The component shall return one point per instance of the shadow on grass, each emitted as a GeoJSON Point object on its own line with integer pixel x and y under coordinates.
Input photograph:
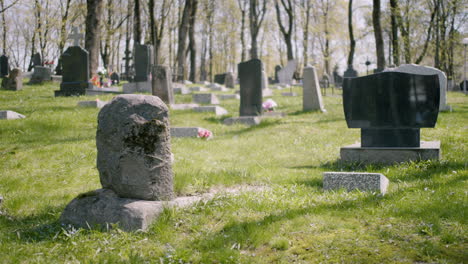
{"type": "Point", "coordinates": [216, 120]}
{"type": "Point", "coordinates": [296, 113]}
{"type": "Point", "coordinates": [267, 122]}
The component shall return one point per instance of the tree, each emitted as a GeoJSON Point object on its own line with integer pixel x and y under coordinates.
{"type": "Point", "coordinates": [157, 25]}
{"type": "Point", "coordinates": [306, 6]}
{"type": "Point", "coordinates": [257, 13]}
{"type": "Point", "coordinates": [136, 23]}
{"type": "Point", "coordinates": [192, 47]}
{"type": "Point", "coordinates": [378, 35]}
{"type": "Point", "coordinates": [243, 5]}
{"type": "Point", "coordinates": [183, 32]}
{"type": "Point", "coordinates": [92, 36]}
{"type": "Point", "coordinates": [394, 27]}
{"type": "Point", "coordinates": [287, 34]}
{"type": "Point", "coordinates": [352, 41]}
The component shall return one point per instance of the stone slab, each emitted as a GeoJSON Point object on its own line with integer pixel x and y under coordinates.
{"type": "Point", "coordinates": [137, 87]}
{"type": "Point", "coordinates": [246, 120]}
{"type": "Point", "coordinates": [10, 115]}
{"type": "Point", "coordinates": [178, 132]}
{"type": "Point", "coordinates": [205, 98]}
{"type": "Point", "coordinates": [183, 106]}
{"type": "Point", "coordinates": [198, 89]}
{"type": "Point", "coordinates": [100, 91]}
{"type": "Point", "coordinates": [267, 92]}
{"type": "Point", "coordinates": [228, 96]}
{"type": "Point", "coordinates": [355, 181]}
{"type": "Point", "coordinates": [429, 150]}
{"type": "Point", "coordinates": [57, 78]}
{"type": "Point", "coordinates": [289, 94]}
{"type": "Point", "coordinates": [181, 90]}
{"type": "Point", "coordinates": [273, 114]}
{"type": "Point", "coordinates": [219, 111]}
{"type": "Point", "coordinates": [95, 103]}
{"type": "Point", "coordinates": [103, 207]}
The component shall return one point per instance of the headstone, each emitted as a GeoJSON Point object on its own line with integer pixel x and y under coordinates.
{"type": "Point", "coordinates": [75, 78]}
{"type": "Point", "coordinates": [426, 70]}
{"type": "Point", "coordinates": [181, 132]}
{"type": "Point", "coordinates": [143, 62]}
{"type": "Point", "coordinates": [349, 73]}
{"type": "Point", "coordinates": [133, 148]}
{"type": "Point", "coordinates": [464, 85]}
{"type": "Point", "coordinates": [4, 66]}
{"type": "Point", "coordinates": [205, 98]}
{"type": "Point", "coordinates": [93, 104]}
{"type": "Point", "coordinates": [390, 108]}
{"type": "Point", "coordinates": [137, 87]}
{"type": "Point", "coordinates": [183, 106]}
{"type": "Point", "coordinates": [162, 83]}
{"type": "Point", "coordinates": [245, 120]}
{"type": "Point", "coordinates": [58, 69]}
{"type": "Point", "coordinates": [14, 81]}
{"type": "Point", "coordinates": [219, 111]}
{"type": "Point", "coordinates": [338, 79]}
{"type": "Point", "coordinates": [250, 81]}
{"type": "Point", "coordinates": [115, 78]}
{"type": "Point", "coordinates": [40, 75]}
{"type": "Point", "coordinates": [230, 80]}
{"type": "Point", "coordinates": [220, 78]}
{"type": "Point", "coordinates": [127, 60]}
{"type": "Point", "coordinates": [10, 115]}
{"type": "Point", "coordinates": [312, 97]}
{"type": "Point", "coordinates": [286, 74]}
{"type": "Point", "coordinates": [363, 181]}
{"type": "Point", "coordinates": [198, 89]}
{"type": "Point", "coordinates": [37, 60]}
{"type": "Point", "coordinates": [228, 96]}
{"type": "Point", "coordinates": [325, 82]}
{"type": "Point", "coordinates": [76, 36]}
{"type": "Point", "coordinates": [277, 69]}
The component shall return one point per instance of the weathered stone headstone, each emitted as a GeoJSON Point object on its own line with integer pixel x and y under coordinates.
{"type": "Point", "coordinates": [162, 83]}
{"type": "Point", "coordinates": [277, 69]}
{"type": "Point", "coordinates": [205, 98]}
{"type": "Point", "coordinates": [426, 70]}
{"type": "Point", "coordinates": [230, 80]}
{"type": "Point", "coordinates": [250, 81]}
{"type": "Point", "coordinates": [93, 104]}
{"type": "Point", "coordinates": [37, 60]}
{"type": "Point", "coordinates": [133, 144]}
{"type": "Point", "coordinates": [362, 181]}
{"type": "Point", "coordinates": [228, 96]}
{"type": "Point", "coordinates": [390, 108]}
{"type": "Point", "coordinates": [40, 75]}
{"type": "Point", "coordinates": [219, 111]}
{"type": "Point", "coordinates": [75, 78]}
{"type": "Point", "coordinates": [10, 115]}
{"type": "Point", "coordinates": [143, 62]}
{"type": "Point", "coordinates": [4, 66]}
{"type": "Point", "coordinates": [286, 74]}
{"type": "Point", "coordinates": [14, 81]}
{"type": "Point", "coordinates": [312, 97]}
{"type": "Point", "coordinates": [220, 78]}
{"type": "Point", "coordinates": [181, 132]}
{"type": "Point", "coordinates": [115, 78]}
{"type": "Point", "coordinates": [337, 78]}
{"type": "Point", "coordinates": [349, 73]}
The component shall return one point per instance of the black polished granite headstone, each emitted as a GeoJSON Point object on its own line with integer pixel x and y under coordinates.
{"type": "Point", "coordinates": [143, 62]}
{"type": "Point", "coordinates": [250, 81]}
{"type": "Point", "coordinates": [75, 72]}
{"type": "Point", "coordinates": [220, 78]}
{"type": "Point", "coordinates": [391, 107]}
{"type": "Point", "coordinates": [277, 69]}
{"type": "Point", "coordinates": [4, 66]}
{"type": "Point", "coordinates": [37, 60]}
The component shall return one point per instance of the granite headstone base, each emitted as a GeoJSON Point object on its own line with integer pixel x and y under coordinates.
{"type": "Point", "coordinates": [103, 208]}
{"type": "Point", "coordinates": [137, 87]}
{"type": "Point", "coordinates": [428, 150]}
{"type": "Point", "coordinates": [355, 181]}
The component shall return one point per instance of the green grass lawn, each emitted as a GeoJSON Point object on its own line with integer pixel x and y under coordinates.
{"type": "Point", "coordinates": [49, 158]}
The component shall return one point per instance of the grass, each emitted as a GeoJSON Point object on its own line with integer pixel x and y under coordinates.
{"type": "Point", "coordinates": [49, 158]}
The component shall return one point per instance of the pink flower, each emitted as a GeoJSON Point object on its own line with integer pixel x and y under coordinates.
{"type": "Point", "coordinates": [269, 105]}
{"type": "Point", "coordinates": [205, 134]}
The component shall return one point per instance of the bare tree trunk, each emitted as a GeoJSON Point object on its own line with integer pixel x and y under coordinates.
{"type": "Point", "coordinates": [93, 25]}
{"type": "Point", "coordinates": [378, 36]}
{"type": "Point", "coordinates": [256, 15]}
{"type": "Point", "coordinates": [183, 32]}
{"type": "Point", "coordinates": [192, 43]}
{"type": "Point", "coordinates": [306, 5]}
{"type": "Point", "coordinates": [394, 34]}
{"type": "Point", "coordinates": [4, 28]}
{"type": "Point", "coordinates": [136, 23]}
{"type": "Point", "coordinates": [243, 9]}
{"type": "Point", "coordinates": [352, 41]}
{"type": "Point", "coordinates": [210, 38]}
{"type": "Point", "coordinates": [428, 37]}
{"type": "Point", "coordinates": [326, 53]}
{"type": "Point", "coordinates": [287, 34]}
{"type": "Point", "coordinates": [105, 49]}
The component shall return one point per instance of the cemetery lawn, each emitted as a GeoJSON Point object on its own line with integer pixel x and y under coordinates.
{"type": "Point", "coordinates": [281, 216]}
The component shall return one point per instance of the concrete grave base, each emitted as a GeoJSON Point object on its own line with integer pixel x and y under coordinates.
{"type": "Point", "coordinates": [10, 115]}
{"type": "Point", "coordinates": [246, 120]}
{"type": "Point", "coordinates": [181, 90]}
{"type": "Point", "coordinates": [137, 87]}
{"type": "Point", "coordinates": [228, 96]}
{"type": "Point", "coordinates": [289, 94]}
{"type": "Point", "coordinates": [355, 181]}
{"type": "Point", "coordinates": [95, 103]}
{"type": "Point", "coordinates": [178, 132]}
{"type": "Point", "coordinates": [207, 98]}
{"type": "Point", "coordinates": [103, 207]}
{"type": "Point", "coordinates": [219, 111]}
{"type": "Point", "coordinates": [429, 150]}
{"type": "Point", "coordinates": [183, 106]}
{"type": "Point", "coordinates": [100, 91]}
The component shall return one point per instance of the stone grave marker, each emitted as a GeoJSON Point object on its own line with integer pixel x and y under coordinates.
{"type": "Point", "coordinates": [94, 104]}
{"type": "Point", "coordinates": [115, 78]}
{"type": "Point", "coordinates": [75, 72]}
{"type": "Point", "coordinates": [183, 106]}
{"type": "Point", "coordinates": [10, 115]}
{"type": "Point", "coordinates": [285, 75]}
{"type": "Point", "coordinates": [312, 97]}
{"type": "Point", "coordinates": [207, 98]}
{"type": "Point", "coordinates": [277, 69]}
{"type": "Point", "coordinates": [14, 81]}
{"type": "Point", "coordinates": [143, 62]}
{"type": "Point", "coordinates": [181, 132]}
{"type": "Point", "coordinates": [4, 66]}
{"type": "Point", "coordinates": [390, 108]}
{"type": "Point", "coordinates": [426, 70]}
{"type": "Point", "coordinates": [349, 73]}
{"type": "Point", "coordinates": [162, 83]}
{"type": "Point", "coordinates": [230, 80]}
{"type": "Point", "coordinates": [219, 111]}
{"type": "Point", "coordinates": [350, 181]}
{"type": "Point", "coordinates": [37, 60]}
{"type": "Point", "coordinates": [228, 96]}
{"type": "Point", "coordinates": [220, 78]}
{"type": "Point", "coordinates": [40, 75]}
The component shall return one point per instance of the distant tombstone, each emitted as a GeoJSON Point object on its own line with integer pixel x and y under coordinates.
{"type": "Point", "coordinates": [325, 82]}
{"type": "Point", "coordinates": [312, 97]}
{"type": "Point", "coordinates": [350, 72]}
{"type": "Point", "coordinates": [14, 81]}
{"type": "Point", "coordinates": [464, 85]}
{"type": "Point", "coordinates": [4, 66]}
{"type": "Point", "coordinates": [127, 59]}
{"type": "Point", "coordinates": [75, 78]}
{"type": "Point", "coordinates": [162, 83]}
{"type": "Point", "coordinates": [75, 36]}
{"type": "Point", "coordinates": [115, 78]}
{"type": "Point", "coordinates": [286, 74]}
{"type": "Point", "coordinates": [337, 78]}
{"type": "Point", "coordinates": [143, 62]}
{"type": "Point", "coordinates": [277, 69]}
{"type": "Point", "coordinates": [250, 81]}
{"type": "Point", "coordinates": [426, 70]}
{"type": "Point", "coordinates": [40, 75]}
{"type": "Point", "coordinates": [37, 60]}
{"type": "Point", "coordinates": [230, 80]}
{"type": "Point", "coordinates": [58, 69]}
{"type": "Point", "coordinates": [220, 78]}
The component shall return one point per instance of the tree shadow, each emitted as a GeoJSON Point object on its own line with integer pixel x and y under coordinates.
{"type": "Point", "coordinates": [267, 122]}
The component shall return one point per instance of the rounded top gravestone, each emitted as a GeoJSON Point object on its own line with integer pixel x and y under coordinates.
{"type": "Point", "coordinates": [133, 144]}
